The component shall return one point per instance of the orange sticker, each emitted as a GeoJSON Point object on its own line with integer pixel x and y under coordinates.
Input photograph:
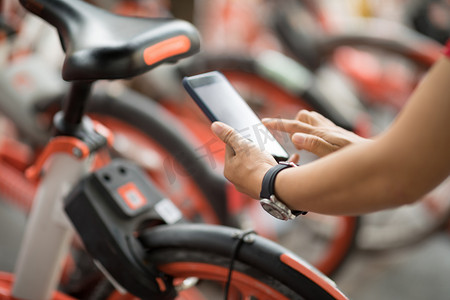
{"type": "Point", "coordinates": [132, 196]}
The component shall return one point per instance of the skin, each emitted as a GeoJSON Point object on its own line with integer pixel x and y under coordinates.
{"type": "Point", "coordinates": [398, 167]}
{"type": "Point", "coordinates": [313, 132]}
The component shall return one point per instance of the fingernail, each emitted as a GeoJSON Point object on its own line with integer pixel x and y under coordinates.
{"type": "Point", "coordinates": [265, 120]}
{"type": "Point", "coordinates": [217, 127]}
{"type": "Point", "coordinates": [298, 138]}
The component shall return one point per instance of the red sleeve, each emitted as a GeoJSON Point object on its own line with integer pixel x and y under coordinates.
{"type": "Point", "coordinates": [447, 49]}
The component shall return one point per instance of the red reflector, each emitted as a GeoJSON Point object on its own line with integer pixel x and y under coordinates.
{"type": "Point", "coordinates": [165, 49]}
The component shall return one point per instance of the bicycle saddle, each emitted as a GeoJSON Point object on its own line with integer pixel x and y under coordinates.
{"type": "Point", "coordinates": [102, 45]}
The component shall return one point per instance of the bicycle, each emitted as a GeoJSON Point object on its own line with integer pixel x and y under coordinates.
{"type": "Point", "coordinates": [142, 251]}
{"type": "Point", "coordinates": [203, 195]}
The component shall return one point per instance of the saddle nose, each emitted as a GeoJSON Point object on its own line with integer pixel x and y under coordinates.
{"type": "Point", "coordinates": [102, 45]}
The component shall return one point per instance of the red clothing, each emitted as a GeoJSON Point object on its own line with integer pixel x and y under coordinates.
{"type": "Point", "coordinates": [447, 49]}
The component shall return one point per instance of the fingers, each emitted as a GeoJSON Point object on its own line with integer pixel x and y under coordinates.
{"type": "Point", "coordinates": [313, 118]}
{"type": "Point", "coordinates": [305, 121]}
{"type": "Point", "coordinates": [294, 158]}
{"type": "Point", "coordinates": [304, 136]}
{"type": "Point", "coordinates": [289, 126]}
{"type": "Point", "coordinates": [313, 144]}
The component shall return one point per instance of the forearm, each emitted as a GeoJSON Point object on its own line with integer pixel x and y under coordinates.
{"type": "Point", "coordinates": [346, 182]}
{"type": "Point", "coordinates": [398, 167]}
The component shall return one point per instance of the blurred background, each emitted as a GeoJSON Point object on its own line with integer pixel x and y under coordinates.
{"type": "Point", "coordinates": [355, 61]}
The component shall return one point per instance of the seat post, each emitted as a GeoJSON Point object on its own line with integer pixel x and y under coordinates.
{"type": "Point", "coordinates": [75, 102]}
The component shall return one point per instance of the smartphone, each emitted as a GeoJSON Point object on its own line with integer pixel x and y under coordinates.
{"type": "Point", "coordinates": [218, 99]}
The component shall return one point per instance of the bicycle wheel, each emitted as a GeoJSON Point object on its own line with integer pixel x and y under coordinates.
{"type": "Point", "coordinates": [6, 284]}
{"type": "Point", "coordinates": [408, 225]}
{"type": "Point", "coordinates": [188, 181]}
{"type": "Point", "coordinates": [146, 134]}
{"type": "Point", "coordinates": [394, 57]}
{"type": "Point", "coordinates": [314, 48]}
{"type": "Point", "coordinates": [265, 97]}
{"type": "Point", "coordinates": [202, 254]}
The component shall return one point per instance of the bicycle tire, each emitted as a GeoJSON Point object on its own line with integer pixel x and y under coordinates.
{"type": "Point", "coordinates": [405, 56]}
{"type": "Point", "coordinates": [262, 269]}
{"type": "Point", "coordinates": [394, 70]}
{"type": "Point", "coordinates": [386, 230]}
{"type": "Point", "coordinates": [390, 37]}
{"type": "Point", "coordinates": [424, 53]}
{"type": "Point", "coordinates": [129, 110]}
{"type": "Point", "coordinates": [272, 90]}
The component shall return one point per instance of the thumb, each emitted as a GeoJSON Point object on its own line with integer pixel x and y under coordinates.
{"type": "Point", "coordinates": [227, 134]}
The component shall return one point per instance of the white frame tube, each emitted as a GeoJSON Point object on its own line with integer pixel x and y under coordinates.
{"type": "Point", "coordinates": [48, 233]}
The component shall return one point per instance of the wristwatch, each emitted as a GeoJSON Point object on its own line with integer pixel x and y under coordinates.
{"type": "Point", "coordinates": [269, 201]}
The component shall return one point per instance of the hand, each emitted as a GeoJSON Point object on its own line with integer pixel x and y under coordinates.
{"type": "Point", "coordinates": [245, 163]}
{"type": "Point", "coordinates": [313, 132]}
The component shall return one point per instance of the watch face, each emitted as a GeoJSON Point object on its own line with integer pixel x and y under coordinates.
{"type": "Point", "coordinates": [274, 210]}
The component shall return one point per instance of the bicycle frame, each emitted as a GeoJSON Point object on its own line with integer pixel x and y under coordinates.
{"type": "Point", "coordinates": [48, 233]}
{"type": "Point", "coordinates": [64, 161]}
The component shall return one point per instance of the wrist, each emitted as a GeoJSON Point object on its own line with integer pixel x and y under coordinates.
{"type": "Point", "coordinates": [268, 180]}
{"type": "Point", "coordinates": [268, 198]}
{"type": "Point", "coordinates": [281, 187]}
{"type": "Point", "coordinates": [259, 178]}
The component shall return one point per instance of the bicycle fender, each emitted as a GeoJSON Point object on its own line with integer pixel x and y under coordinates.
{"type": "Point", "coordinates": [255, 251]}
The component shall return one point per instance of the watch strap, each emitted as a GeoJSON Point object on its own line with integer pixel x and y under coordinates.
{"type": "Point", "coordinates": [267, 188]}
{"type": "Point", "coordinates": [268, 183]}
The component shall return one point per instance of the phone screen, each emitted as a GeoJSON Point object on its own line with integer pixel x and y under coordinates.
{"type": "Point", "coordinates": [221, 102]}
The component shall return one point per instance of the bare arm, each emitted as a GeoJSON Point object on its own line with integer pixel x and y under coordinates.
{"type": "Point", "coordinates": [411, 158]}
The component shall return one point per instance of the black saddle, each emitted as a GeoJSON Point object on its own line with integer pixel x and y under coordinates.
{"type": "Point", "coordinates": [102, 45]}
